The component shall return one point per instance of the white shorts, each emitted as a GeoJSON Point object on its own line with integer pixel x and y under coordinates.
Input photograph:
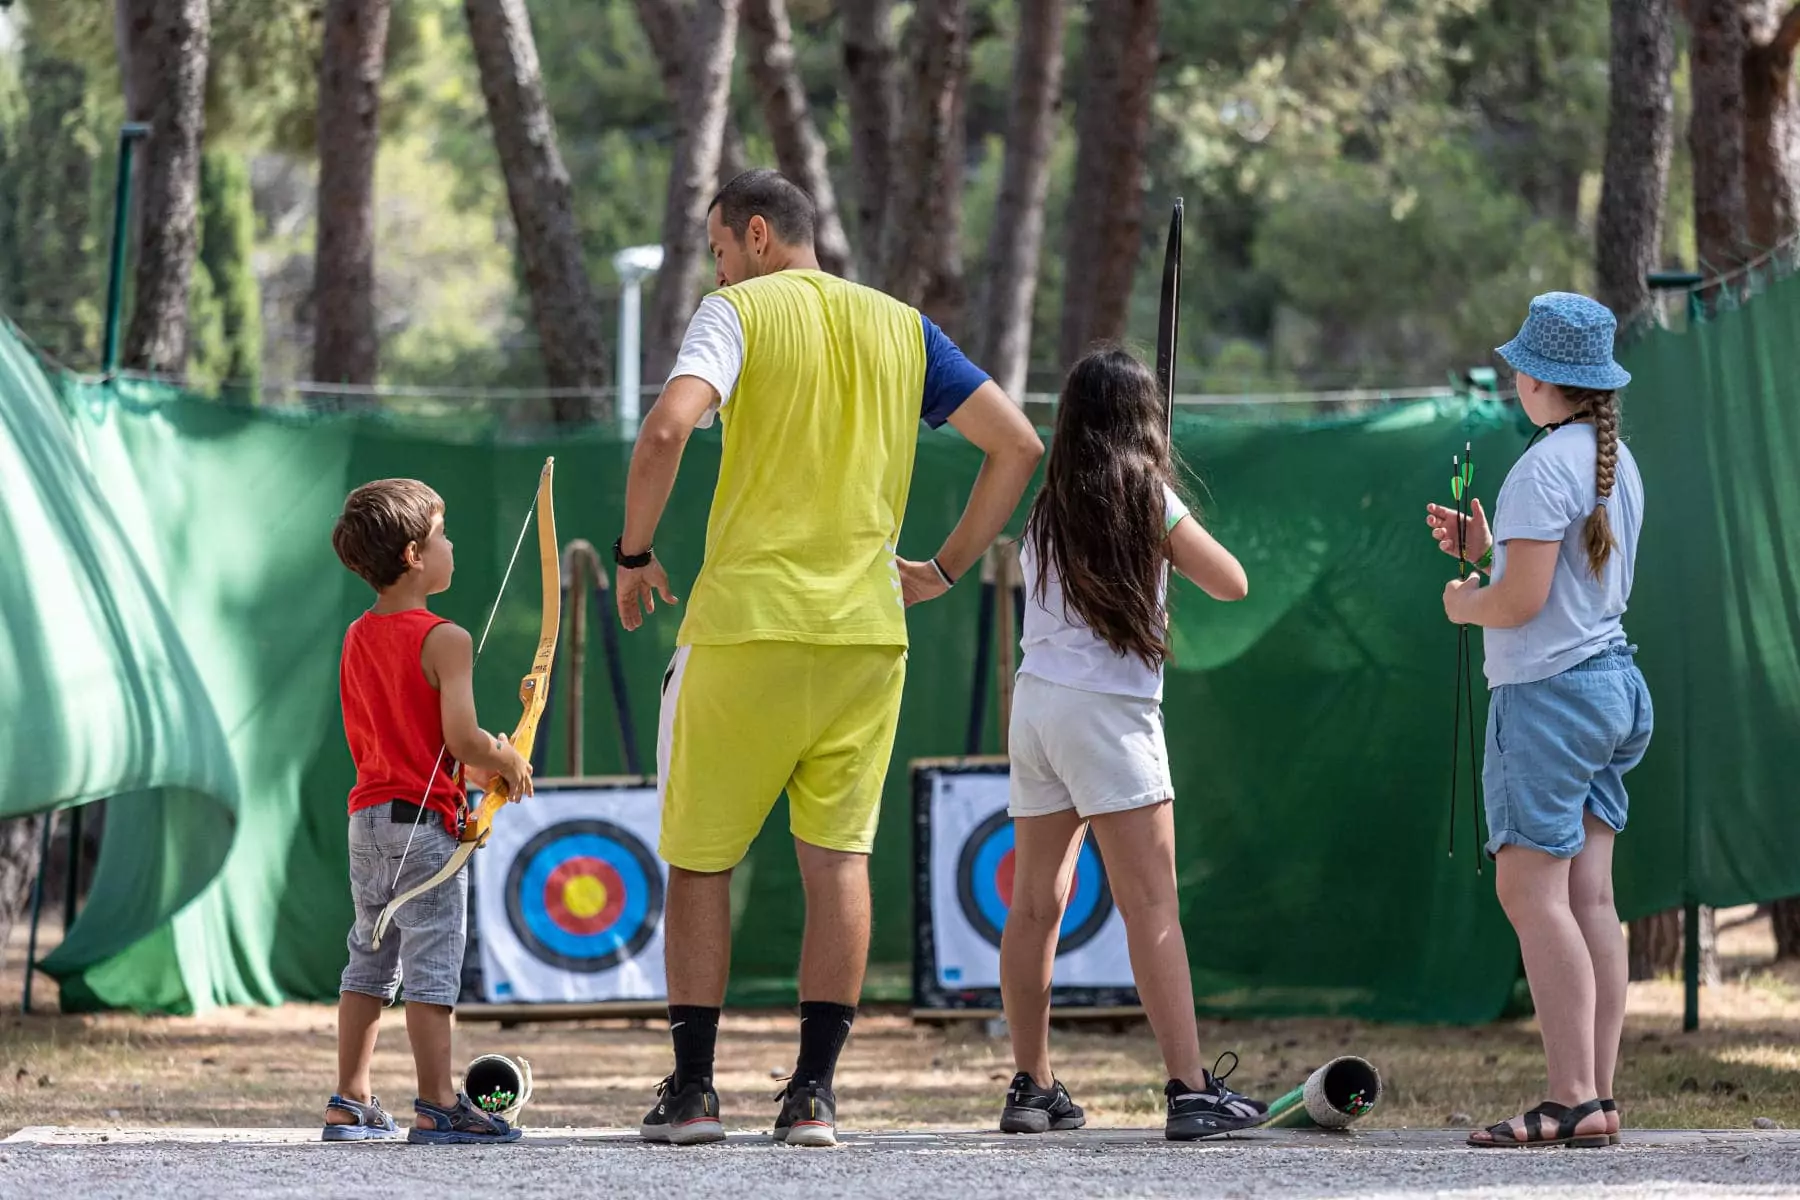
{"type": "Point", "coordinates": [1094, 752]}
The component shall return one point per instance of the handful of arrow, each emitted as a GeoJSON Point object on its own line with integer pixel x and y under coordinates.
{"type": "Point", "coordinates": [1462, 481]}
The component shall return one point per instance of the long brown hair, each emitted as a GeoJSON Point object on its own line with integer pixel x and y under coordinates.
{"type": "Point", "coordinates": [1099, 517]}
{"type": "Point", "coordinates": [1603, 407]}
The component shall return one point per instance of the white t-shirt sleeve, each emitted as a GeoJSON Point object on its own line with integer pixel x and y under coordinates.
{"type": "Point", "coordinates": [1173, 509]}
{"type": "Point", "coordinates": [713, 350]}
{"type": "Point", "coordinates": [1542, 496]}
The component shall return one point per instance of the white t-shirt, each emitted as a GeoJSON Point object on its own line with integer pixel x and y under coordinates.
{"type": "Point", "coordinates": [1547, 497]}
{"type": "Point", "coordinates": [1060, 647]}
{"type": "Point", "coordinates": [713, 350]}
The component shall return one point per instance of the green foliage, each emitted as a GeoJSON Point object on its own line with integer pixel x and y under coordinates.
{"type": "Point", "coordinates": [1373, 187]}
{"type": "Point", "coordinates": [209, 354]}
{"type": "Point", "coordinates": [1396, 266]}
{"type": "Point", "coordinates": [51, 257]}
{"type": "Point", "coordinates": [12, 123]}
{"type": "Point", "coordinates": [225, 310]}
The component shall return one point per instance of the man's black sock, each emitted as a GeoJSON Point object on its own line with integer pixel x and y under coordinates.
{"type": "Point", "coordinates": [694, 1028]}
{"type": "Point", "coordinates": [824, 1028]}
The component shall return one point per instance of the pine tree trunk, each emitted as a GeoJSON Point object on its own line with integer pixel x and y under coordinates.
{"type": "Point", "coordinates": [870, 58]}
{"type": "Point", "coordinates": [1716, 133]}
{"type": "Point", "coordinates": [799, 150]}
{"type": "Point", "coordinates": [570, 341]}
{"type": "Point", "coordinates": [1106, 204]}
{"type": "Point", "coordinates": [924, 165]}
{"type": "Point", "coordinates": [19, 842]}
{"type": "Point", "coordinates": [946, 292]}
{"type": "Point", "coordinates": [166, 85]}
{"type": "Point", "coordinates": [134, 22]}
{"type": "Point", "coordinates": [1784, 915]}
{"type": "Point", "coordinates": [733, 158]}
{"type": "Point", "coordinates": [1639, 135]}
{"type": "Point", "coordinates": [1655, 948]}
{"type": "Point", "coordinates": [1771, 123]}
{"type": "Point", "coordinates": [693, 172]}
{"type": "Point", "coordinates": [1017, 241]}
{"type": "Point", "coordinates": [666, 25]}
{"type": "Point", "coordinates": [346, 342]}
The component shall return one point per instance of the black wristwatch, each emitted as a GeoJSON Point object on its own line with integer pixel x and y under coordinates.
{"type": "Point", "coordinates": [635, 562]}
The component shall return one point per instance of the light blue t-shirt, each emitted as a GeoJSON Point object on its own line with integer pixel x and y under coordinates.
{"type": "Point", "coordinates": [1547, 497]}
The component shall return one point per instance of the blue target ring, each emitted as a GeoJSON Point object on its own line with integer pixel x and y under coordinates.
{"type": "Point", "coordinates": [984, 886]}
{"type": "Point", "coordinates": [584, 895]}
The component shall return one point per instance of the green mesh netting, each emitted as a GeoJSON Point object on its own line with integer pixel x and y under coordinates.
{"type": "Point", "coordinates": [174, 612]}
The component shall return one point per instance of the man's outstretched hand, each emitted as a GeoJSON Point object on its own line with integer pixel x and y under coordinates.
{"type": "Point", "coordinates": [637, 591]}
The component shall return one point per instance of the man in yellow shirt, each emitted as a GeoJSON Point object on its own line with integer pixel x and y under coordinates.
{"type": "Point", "coordinates": [790, 662]}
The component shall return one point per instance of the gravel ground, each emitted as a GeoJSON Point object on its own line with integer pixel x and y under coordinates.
{"type": "Point", "coordinates": [270, 1165]}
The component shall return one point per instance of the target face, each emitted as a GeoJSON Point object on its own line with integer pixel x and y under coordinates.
{"type": "Point", "coordinates": [984, 886]}
{"type": "Point", "coordinates": [584, 895]}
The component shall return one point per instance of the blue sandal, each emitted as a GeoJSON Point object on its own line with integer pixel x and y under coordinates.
{"type": "Point", "coordinates": [463, 1125]}
{"type": "Point", "coordinates": [372, 1121]}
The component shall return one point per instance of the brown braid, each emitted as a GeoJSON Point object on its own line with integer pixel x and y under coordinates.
{"type": "Point", "coordinates": [1603, 407]}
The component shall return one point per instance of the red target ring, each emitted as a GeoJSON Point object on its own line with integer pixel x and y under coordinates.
{"type": "Point", "coordinates": [584, 895]}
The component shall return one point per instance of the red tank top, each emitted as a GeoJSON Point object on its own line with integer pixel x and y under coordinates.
{"type": "Point", "coordinates": [392, 715]}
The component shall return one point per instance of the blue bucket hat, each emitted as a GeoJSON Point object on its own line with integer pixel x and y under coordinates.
{"type": "Point", "coordinates": [1567, 340]}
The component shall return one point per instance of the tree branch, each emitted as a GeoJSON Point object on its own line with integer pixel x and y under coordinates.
{"type": "Point", "coordinates": [1787, 37]}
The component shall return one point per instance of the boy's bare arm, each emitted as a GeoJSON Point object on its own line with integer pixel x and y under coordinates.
{"type": "Point", "coordinates": [449, 656]}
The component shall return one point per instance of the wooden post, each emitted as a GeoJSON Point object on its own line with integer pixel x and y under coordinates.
{"type": "Point", "coordinates": [580, 562]}
{"type": "Point", "coordinates": [1006, 660]}
{"type": "Point", "coordinates": [574, 594]}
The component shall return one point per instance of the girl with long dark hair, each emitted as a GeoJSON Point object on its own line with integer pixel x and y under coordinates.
{"type": "Point", "coordinates": [1087, 741]}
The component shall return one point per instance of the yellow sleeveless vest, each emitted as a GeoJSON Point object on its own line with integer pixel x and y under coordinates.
{"type": "Point", "coordinates": [820, 435]}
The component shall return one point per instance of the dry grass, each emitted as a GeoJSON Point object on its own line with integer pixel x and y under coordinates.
{"type": "Point", "coordinates": [247, 1067]}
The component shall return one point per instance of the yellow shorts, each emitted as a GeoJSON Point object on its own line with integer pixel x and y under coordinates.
{"type": "Point", "coordinates": [741, 723]}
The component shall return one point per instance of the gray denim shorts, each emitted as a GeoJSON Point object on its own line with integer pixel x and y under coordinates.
{"type": "Point", "coordinates": [424, 946]}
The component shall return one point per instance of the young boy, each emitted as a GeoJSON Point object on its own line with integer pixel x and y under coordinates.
{"type": "Point", "coordinates": [409, 716]}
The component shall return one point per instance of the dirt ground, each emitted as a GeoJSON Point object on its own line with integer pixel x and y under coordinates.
{"type": "Point", "coordinates": [275, 1067]}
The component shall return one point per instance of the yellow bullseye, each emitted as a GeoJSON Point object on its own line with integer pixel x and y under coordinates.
{"type": "Point", "coordinates": [584, 896]}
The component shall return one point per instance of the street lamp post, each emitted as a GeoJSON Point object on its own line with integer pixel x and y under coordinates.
{"type": "Point", "coordinates": [632, 265]}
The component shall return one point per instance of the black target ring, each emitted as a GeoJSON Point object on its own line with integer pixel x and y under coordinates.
{"type": "Point", "coordinates": [630, 899]}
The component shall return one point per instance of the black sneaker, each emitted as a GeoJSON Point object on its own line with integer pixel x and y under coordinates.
{"type": "Point", "coordinates": [1032, 1109]}
{"type": "Point", "coordinates": [808, 1115]}
{"type": "Point", "coordinates": [683, 1118]}
{"type": "Point", "coordinates": [1211, 1108]}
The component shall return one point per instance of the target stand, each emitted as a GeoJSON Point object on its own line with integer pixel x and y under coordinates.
{"type": "Point", "coordinates": [962, 889]}
{"type": "Point", "coordinates": [566, 901]}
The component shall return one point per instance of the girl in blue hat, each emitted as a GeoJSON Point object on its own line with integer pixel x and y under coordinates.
{"type": "Point", "coordinates": [1569, 713]}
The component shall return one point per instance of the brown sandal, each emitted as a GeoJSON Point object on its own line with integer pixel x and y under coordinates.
{"type": "Point", "coordinates": [1608, 1105]}
{"type": "Point", "coordinates": [1501, 1136]}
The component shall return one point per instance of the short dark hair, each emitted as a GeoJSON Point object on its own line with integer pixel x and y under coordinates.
{"type": "Point", "coordinates": [772, 196]}
{"type": "Point", "coordinates": [379, 521]}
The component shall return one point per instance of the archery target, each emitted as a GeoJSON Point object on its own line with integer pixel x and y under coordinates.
{"type": "Point", "coordinates": [984, 884]}
{"type": "Point", "coordinates": [569, 898]}
{"type": "Point", "coordinates": [971, 865]}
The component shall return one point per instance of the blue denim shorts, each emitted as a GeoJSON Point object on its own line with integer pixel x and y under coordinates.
{"type": "Point", "coordinates": [1559, 748]}
{"type": "Point", "coordinates": [424, 947]}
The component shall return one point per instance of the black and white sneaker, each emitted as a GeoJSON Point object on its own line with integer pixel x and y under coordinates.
{"type": "Point", "coordinates": [1032, 1109]}
{"type": "Point", "coordinates": [1211, 1108]}
{"type": "Point", "coordinates": [683, 1118]}
{"type": "Point", "coordinates": [808, 1116]}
